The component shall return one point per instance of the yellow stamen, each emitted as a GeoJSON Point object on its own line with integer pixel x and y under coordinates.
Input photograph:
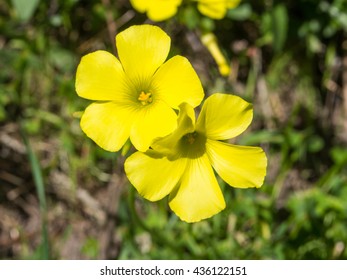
{"type": "Point", "coordinates": [145, 98]}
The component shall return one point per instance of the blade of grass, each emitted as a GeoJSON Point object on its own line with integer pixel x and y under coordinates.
{"type": "Point", "coordinates": [40, 190]}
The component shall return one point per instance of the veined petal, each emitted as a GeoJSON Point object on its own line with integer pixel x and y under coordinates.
{"type": "Point", "coordinates": [239, 166]}
{"type": "Point", "coordinates": [153, 176]}
{"type": "Point", "coordinates": [108, 124]}
{"type": "Point", "coordinates": [224, 116]}
{"type": "Point", "coordinates": [185, 124]}
{"type": "Point", "coordinates": [176, 81]}
{"type": "Point", "coordinates": [154, 120]}
{"type": "Point", "coordinates": [142, 49]}
{"type": "Point", "coordinates": [198, 195]}
{"type": "Point", "coordinates": [100, 76]}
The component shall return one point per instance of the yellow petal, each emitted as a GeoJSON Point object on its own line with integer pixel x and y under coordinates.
{"type": "Point", "coordinates": [213, 9]}
{"type": "Point", "coordinates": [163, 9]}
{"type": "Point", "coordinates": [185, 124]}
{"type": "Point", "coordinates": [216, 9]}
{"type": "Point", "coordinates": [142, 49]}
{"type": "Point", "coordinates": [153, 120]}
{"type": "Point", "coordinates": [152, 175]}
{"type": "Point", "coordinates": [141, 5]}
{"type": "Point", "coordinates": [224, 116]}
{"type": "Point", "coordinates": [198, 195]}
{"type": "Point", "coordinates": [100, 76]}
{"type": "Point", "coordinates": [157, 10]}
{"type": "Point", "coordinates": [239, 166]}
{"type": "Point", "coordinates": [108, 124]}
{"type": "Point", "coordinates": [176, 81]}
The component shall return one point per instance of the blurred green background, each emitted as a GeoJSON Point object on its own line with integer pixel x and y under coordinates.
{"type": "Point", "coordinates": [63, 197]}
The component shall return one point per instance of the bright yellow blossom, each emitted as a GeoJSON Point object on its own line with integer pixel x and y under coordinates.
{"type": "Point", "coordinates": [216, 9]}
{"type": "Point", "coordinates": [180, 165]}
{"type": "Point", "coordinates": [157, 10]}
{"type": "Point", "coordinates": [136, 94]}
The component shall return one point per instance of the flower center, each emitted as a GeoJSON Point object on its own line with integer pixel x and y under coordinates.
{"type": "Point", "coordinates": [190, 137]}
{"type": "Point", "coordinates": [193, 145]}
{"type": "Point", "coordinates": [145, 98]}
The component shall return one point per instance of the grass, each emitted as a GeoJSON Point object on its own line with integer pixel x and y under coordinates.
{"type": "Point", "coordinates": [40, 191]}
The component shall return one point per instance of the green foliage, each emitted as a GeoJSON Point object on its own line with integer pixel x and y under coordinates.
{"type": "Point", "coordinates": [292, 47]}
{"type": "Point", "coordinates": [91, 248]}
{"type": "Point", "coordinates": [279, 20]}
{"type": "Point", "coordinates": [242, 12]}
{"type": "Point", "coordinates": [25, 8]}
{"type": "Point", "coordinates": [43, 249]}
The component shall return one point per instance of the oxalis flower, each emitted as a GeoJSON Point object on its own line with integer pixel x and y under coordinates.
{"type": "Point", "coordinates": [180, 165]}
{"type": "Point", "coordinates": [136, 94]}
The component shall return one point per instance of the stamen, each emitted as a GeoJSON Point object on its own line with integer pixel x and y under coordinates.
{"type": "Point", "coordinates": [191, 137]}
{"type": "Point", "coordinates": [145, 98]}
{"type": "Point", "coordinates": [193, 144]}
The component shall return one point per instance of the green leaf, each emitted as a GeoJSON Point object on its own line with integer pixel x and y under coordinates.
{"type": "Point", "coordinates": [339, 155]}
{"type": "Point", "coordinates": [25, 8]}
{"type": "Point", "coordinates": [262, 136]}
{"type": "Point", "coordinates": [62, 59]}
{"type": "Point", "coordinates": [190, 17]}
{"type": "Point", "coordinates": [314, 43]}
{"type": "Point", "coordinates": [279, 27]}
{"type": "Point", "coordinates": [242, 12]}
{"type": "Point", "coordinates": [315, 144]}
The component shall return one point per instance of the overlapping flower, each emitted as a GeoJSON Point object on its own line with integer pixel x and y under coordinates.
{"type": "Point", "coordinates": [137, 97]}
{"type": "Point", "coordinates": [180, 165]}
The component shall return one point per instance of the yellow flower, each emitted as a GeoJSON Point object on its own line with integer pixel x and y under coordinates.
{"type": "Point", "coordinates": [136, 94]}
{"type": "Point", "coordinates": [157, 10]}
{"type": "Point", "coordinates": [180, 165]}
{"type": "Point", "coordinates": [216, 9]}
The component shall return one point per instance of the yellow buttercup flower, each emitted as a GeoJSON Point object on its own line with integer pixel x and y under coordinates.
{"type": "Point", "coordinates": [180, 165]}
{"type": "Point", "coordinates": [216, 9]}
{"type": "Point", "coordinates": [157, 10]}
{"type": "Point", "coordinates": [136, 94]}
